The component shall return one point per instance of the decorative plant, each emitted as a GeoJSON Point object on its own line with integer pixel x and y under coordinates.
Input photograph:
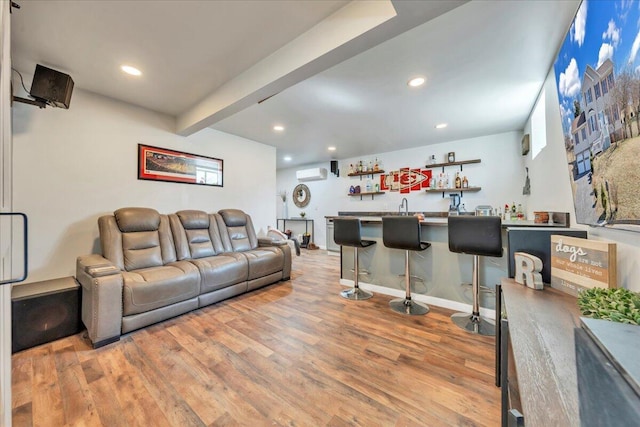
{"type": "Point", "coordinates": [615, 304]}
{"type": "Point", "coordinates": [283, 196]}
{"type": "Point", "coordinates": [303, 214]}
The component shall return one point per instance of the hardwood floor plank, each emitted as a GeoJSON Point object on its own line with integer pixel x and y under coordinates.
{"type": "Point", "coordinates": [290, 354]}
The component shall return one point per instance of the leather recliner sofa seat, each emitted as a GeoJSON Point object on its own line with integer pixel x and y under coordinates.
{"type": "Point", "coordinates": [155, 266]}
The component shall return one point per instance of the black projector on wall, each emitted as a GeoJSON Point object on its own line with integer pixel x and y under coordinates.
{"type": "Point", "coordinates": [52, 87]}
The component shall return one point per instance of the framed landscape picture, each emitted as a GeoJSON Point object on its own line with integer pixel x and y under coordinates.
{"type": "Point", "coordinates": [162, 164]}
{"type": "Point", "coordinates": [598, 80]}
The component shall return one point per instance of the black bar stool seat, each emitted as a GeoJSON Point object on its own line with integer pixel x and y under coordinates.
{"type": "Point", "coordinates": [347, 232]}
{"type": "Point", "coordinates": [404, 232]}
{"type": "Point", "coordinates": [477, 236]}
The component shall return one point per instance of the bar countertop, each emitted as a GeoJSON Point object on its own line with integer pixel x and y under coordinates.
{"type": "Point", "coordinates": [432, 218]}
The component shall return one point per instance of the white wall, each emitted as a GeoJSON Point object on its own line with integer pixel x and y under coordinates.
{"type": "Point", "coordinates": [500, 174]}
{"type": "Point", "coordinates": [71, 166]}
{"type": "Point", "coordinates": [551, 190]}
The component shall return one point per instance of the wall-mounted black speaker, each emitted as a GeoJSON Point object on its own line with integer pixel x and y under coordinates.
{"type": "Point", "coordinates": [334, 168]}
{"type": "Point", "coordinates": [52, 86]}
{"type": "Point", "coordinates": [44, 311]}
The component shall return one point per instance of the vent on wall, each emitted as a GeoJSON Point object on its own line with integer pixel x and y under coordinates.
{"type": "Point", "coordinates": [314, 174]}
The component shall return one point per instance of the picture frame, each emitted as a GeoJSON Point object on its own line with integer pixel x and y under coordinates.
{"type": "Point", "coordinates": [163, 164]}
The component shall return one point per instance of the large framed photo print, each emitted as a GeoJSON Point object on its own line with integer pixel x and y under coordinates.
{"type": "Point", "coordinates": [162, 164]}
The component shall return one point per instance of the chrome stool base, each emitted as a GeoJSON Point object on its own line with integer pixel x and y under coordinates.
{"type": "Point", "coordinates": [356, 294]}
{"type": "Point", "coordinates": [408, 306]}
{"type": "Point", "coordinates": [474, 324]}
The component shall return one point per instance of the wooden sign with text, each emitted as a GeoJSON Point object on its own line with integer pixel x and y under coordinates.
{"type": "Point", "coordinates": [578, 264]}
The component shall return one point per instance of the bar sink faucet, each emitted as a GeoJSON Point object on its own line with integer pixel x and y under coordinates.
{"type": "Point", "coordinates": [454, 206]}
{"type": "Point", "coordinates": [405, 205]}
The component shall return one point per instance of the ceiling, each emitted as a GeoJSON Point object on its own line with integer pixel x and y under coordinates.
{"type": "Point", "coordinates": [334, 71]}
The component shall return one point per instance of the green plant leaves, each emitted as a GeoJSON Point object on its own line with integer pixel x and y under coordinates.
{"type": "Point", "coordinates": [615, 304]}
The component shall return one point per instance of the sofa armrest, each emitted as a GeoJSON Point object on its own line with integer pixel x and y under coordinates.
{"type": "Point", "coordinates": [284, 246]}
{"type": "Point", "coordinates": [102, 284]}
{"type": "Point", "coordinates": [268, 241]}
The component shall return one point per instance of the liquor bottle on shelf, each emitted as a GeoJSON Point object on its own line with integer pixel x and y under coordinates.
{"type": "Point", "coordinates": [351, 171]}
{"type": "Point", "coordinates": [465, 182]}
{"type": "Point", "coordinates": [376, 166]}
{"type": "Point", "coordinates": [458, 180]}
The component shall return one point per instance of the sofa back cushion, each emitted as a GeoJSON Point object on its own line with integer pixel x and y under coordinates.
{"type": "Point", "coordinates": [136, 238]}
{"type": "Point", "coordinates": [195, 234]}
{"type": "Point", "coordinates": [236, 230]}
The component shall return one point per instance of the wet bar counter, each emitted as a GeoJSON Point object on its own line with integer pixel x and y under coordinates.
{"type": "Point", "coordinates": [446, 276]}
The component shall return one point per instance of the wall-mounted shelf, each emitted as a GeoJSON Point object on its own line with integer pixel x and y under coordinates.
{"type": "Point", "coordinates": [460, 163]}
{"type": "Point", "coordinates": [372, 194]}
{"type": "Point", "coordinates": [452, 190]}
{"type": "Point", "coordinates": [370, 173]}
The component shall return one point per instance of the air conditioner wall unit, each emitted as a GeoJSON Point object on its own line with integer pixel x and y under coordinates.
{"type": "Point", "coordinates": [315, 174]}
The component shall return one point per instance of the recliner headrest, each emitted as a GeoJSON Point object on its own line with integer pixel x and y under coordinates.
{"type": "Point", "coordinates": [233, 217]}
{"type": "Point", "coordinates": [137, 219]}
{"type": "Point", "coordinates": [193, 220]}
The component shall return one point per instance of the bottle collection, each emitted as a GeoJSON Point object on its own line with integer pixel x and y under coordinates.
{"type": "Point", "coordinates": [443, 180]}
{"type": "Point", "coordinates": [365, 167]}
{"type": "Point", "coordinates": [511, 212]}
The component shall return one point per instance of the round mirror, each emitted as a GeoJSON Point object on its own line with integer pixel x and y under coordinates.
{"type": "Point", "coordinates": [301, 195]}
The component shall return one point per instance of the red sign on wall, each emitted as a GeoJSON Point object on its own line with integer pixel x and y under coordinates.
{"type": "Point", "coordinates": [406, 180]}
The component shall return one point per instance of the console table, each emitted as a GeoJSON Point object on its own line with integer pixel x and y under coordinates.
{"type": "Point", "coordinates": [535, 356]}
{"type": "Point", "coordinates": [306, 227]}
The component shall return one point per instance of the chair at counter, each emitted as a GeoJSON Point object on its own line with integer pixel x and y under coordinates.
{"type": "Point", "coordinates": [477, 236]}
{"type": "Point", "coordinates": [403, 232]}
{"type": "Point", "coordinates": [346, 232]}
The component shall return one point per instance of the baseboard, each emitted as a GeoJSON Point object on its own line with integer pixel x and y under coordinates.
{"type": "Point", "coordinates": [438, 302]}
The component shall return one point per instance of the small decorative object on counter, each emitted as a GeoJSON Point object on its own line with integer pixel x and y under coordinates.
{"type": "Point", "coordinates": [541, 217]}
{"type": "Point", "coordinates": [451, 157]}
{"type": "Point", "coordinates": [465, 182]}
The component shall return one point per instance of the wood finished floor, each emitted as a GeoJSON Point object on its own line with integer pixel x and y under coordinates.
{"type": "Point", "coordinates": [291, 354]}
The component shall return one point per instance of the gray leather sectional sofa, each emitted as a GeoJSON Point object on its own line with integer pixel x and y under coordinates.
{"type": "Point", "coordinates": [155, 266]}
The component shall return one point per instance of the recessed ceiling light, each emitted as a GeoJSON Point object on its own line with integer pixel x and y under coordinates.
{"type": "Point", "coordinates": [278, 128]}
{"type": "Point", "coordinates": [331, 148]}
{"type": "Point", "coordinates": [416, 81]}
{"type": "Point", "coordinates": [287, 158]}
{"type": "Point", "coordinates": [131, 70]}
{"type": "Point", "coordinates": [441, 126]}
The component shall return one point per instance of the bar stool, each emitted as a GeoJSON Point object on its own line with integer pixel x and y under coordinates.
{"type": "Point", "coordinates": [346, 232]}
{"type": "Point", "coordinates": [403, 232]}
{"type": "Point", "coordinates": [477, 236]}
